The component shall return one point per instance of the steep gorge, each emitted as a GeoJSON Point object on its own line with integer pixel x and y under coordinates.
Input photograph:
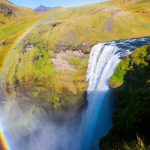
{"type": "Point", "coordinates": [44, 78]}
{"type": "Point", "coordinates": [90, 124]}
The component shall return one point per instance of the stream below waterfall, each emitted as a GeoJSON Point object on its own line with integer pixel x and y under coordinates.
{"type": "Point", "coordinates": [95, 121]}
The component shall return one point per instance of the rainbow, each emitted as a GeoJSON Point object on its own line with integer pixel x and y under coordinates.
{"type": "Point", "coordinates": [3, 143]}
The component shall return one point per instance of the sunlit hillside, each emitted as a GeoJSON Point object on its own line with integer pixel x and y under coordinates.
{"type": "Point", "coordinates": [14, 21]}
{"type": "Point", "coordinates": [49, 70]}
{"type": "Point", "coordinates": [63, 30]}
{"type": "Point", "coordinates": [84, 25]}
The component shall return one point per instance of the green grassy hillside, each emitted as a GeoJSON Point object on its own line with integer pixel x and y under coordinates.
{"type": "Point", "coordinates": [14, 21]}
{"type": "Point", "coordinates": [51, 60]}
{"type": "Point", "coordinates": [95, 23]}
{"type": "Point", "coordinates": [131, 82]}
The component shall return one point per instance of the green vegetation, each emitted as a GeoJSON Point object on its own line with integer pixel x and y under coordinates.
{"type": "Point", "coordinates": [13, 25]}
{"type": "Point", "coordinates": [35, 77]}
{"type": "Point", "coordinates": [131, 82]}
{"type": "Point", "coordinates": [36, 71]}
{"type": "Point", "coordinates": [137, 144]}
{"type": "Point", "coordinates": [96, 23]}
{"type": "Point", "coordinates": [78, 63]}
{"type": "Point", "coordinates": [13, 22]}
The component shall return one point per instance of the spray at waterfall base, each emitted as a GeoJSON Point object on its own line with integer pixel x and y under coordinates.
{"type": "Point", "coordinates": [103, 60]}
{"type": "Point", "coordinates": [3, 142]}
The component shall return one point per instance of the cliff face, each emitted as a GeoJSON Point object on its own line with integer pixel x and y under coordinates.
{"type": "Point", "coordinates": [49, 79]}
{"type": "Point", "coordinates": [132, 93]}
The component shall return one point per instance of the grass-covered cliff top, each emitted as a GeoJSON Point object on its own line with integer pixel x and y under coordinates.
{"type": "Point", "coordinates": [131, 82]}
{"type": "Point", "coordinates": [139, 58]}
{"type": "Point", "coordinates": [85, 25]}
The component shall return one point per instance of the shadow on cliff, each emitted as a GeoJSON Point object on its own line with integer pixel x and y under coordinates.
{"type": "Point", "coordinates": [131, 117]}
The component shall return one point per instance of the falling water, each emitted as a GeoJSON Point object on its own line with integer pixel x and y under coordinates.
{"type": "Point", "coordinates": [96, 119]}
{"type": "Point", "coordinates": [104, 58]}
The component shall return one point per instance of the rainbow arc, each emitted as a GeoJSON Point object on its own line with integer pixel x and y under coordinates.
{"type": "Point", "coordinates": [3, 142]}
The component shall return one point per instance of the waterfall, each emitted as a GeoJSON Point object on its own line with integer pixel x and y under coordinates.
{"type": "Point", "coordinates": [72, 134]}
{"type": "Point", "coordinates": [97, 118]}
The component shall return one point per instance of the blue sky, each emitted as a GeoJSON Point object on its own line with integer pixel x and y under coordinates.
{"type": "Point", "coordinates": [52, 3]}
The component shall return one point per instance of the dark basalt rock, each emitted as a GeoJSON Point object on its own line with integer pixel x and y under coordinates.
{"type": "Point", "coordinates": [5, 43]}
{"type": "Point", "coordinates": [7, 10]}
{"type": "Point", "coordinates": [16, 83]}
{"type": "Point", "coordinates": [55, 24]}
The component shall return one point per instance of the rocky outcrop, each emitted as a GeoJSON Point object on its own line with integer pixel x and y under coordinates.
{"type": "Point", "coordinates": [7, 10]}
{"type": "Point", "coordinates": [55, 24]}
{"type": "Point", "coordinates": [84, 47]}
{"type": "Point", "coordinates": [5, 42]}
{"type": "Point", "coordinates": [61, 60]}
